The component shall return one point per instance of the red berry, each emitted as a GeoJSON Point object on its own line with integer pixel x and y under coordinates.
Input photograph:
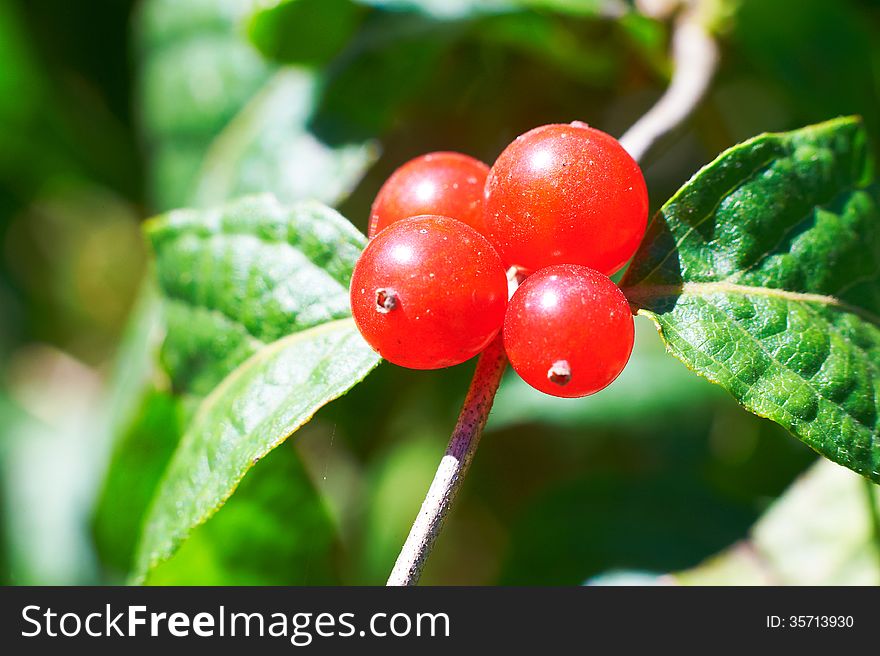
{"type": "Point", "coordinates": [566, 194]}
{"type": "Point", "coordinates": [429, 292]}
{"type": "Point", "coordinates": [568, 331]}
{"type": "Point", "coordinates": [449, 184]}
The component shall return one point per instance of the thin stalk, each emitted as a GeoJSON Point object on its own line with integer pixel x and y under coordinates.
{"type": "Point", "coordinates": [695, 59]}
{"type": "Point", "coordinates": [453, 467]}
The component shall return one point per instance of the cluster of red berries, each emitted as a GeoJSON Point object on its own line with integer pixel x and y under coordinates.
{"type": "Point", "coordinates": [564, 205]}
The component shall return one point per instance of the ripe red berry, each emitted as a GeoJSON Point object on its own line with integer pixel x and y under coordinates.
{"type": "Point", "coordinates": [429, 292]}
{"type": "Point", "coordinates": [566, 194]}
{"type": "Point", "coordinates": [568, 331]}
{"type": "Point", "coordinates": [449, 184]}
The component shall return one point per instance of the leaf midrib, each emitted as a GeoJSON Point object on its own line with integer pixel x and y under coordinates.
{"type": "Point", "coordinates": [856, 420]}
{"type": "Point", "coordinates": [770, 293]}
{"type": "Point", "coordinates": [639, 295]}
{"type": "Point", "coordinates": [231, 379]}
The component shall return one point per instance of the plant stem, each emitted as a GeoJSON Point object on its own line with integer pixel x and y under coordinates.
{"type": "Point", "coordinates": [694, 58]}
{"type": "Point", "coordinates": [453, 467]}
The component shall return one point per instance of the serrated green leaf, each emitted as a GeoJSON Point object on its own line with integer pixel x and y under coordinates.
{"type": "Point", "coordinates": [242, 276]}
{"type": "Point", "coordinates": [761, 274]}
{"type": "Point", "coordinates": [251, 412]}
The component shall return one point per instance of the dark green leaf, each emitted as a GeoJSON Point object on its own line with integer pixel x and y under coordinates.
{"type": "Point", "coordinates": [250, 413]}
{"type": "Point", "coordinates": [761, 274]}
{"type": "Point", "coordinates": [389, 66]}
{"type": "Point", "coordinates": [308, 32]}
{"type": "Point", "coordinates": [242, 276]}
{"type": "Point", "coordinates": [275, 530]}
{"type": "Point", "coordinates": [550, 40]}
{"type": "Point", "coordinates": [138, 462]}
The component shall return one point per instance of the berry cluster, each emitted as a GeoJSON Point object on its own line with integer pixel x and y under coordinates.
{"type": "Point", "coordinates": [564, 206]}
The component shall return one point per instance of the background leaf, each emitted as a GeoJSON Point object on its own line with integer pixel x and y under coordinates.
{"type": "Point", "coordinates": [251, 412]}
{"type": "Point", "coordinates": [200, 72]}
{"type": "Point", "coordinates": [650, 524]}
{"type": "Point", "coordinates": [140, 456]}
{"type": "Point", "coordinates": [274, 530]}
{"type": "Point", "coordinates": [820, 532]}
{"type": "Point", "coordinates": [308, 32]}
{"type": "Point", "coordinates": [762, 275]}
{"type": "Point", "coordinates": [820, 57]}
{"type": "Point", "coordinates": [268, 147]}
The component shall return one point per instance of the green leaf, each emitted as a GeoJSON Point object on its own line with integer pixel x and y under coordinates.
{"type": "Point", "coordinates": [251, 412]}
{"type": "Point", "coordinates": [197, 72]}
{"type": "Point", "coordinates": [761, 274]}
{"type": "Point", "coordinates": [139, 459]}
{"type": "Point", "coordinates": [275, 530]}
{"type": "Point", "coordinates": [269, 146]}
{"type": "Point", "coordinates": [459, 9]}
{"type": "Point", "coordinates": [551, 40]}
{"type": "Point", "coordinates": [308, 32]}
{"type": "Point", "coordinates": [443, 9]}
{"type": "Point", "coordinates": [397, 47]}
{"type": "Point", "coordinates": [818, 59]}
{"type": "Point", "coordinates": [242, 276]}
{"type": "Point", "coordinates": [221, 121]}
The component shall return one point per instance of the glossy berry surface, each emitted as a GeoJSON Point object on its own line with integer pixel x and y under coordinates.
{"type": "Point", "coordinates": [428, 292]}
{"type": "Point", "coordinates": [449, 184]}
{"type": "Point", "coordinates": [568, 331]}
{"type": "Point", "coordinates": [566, 194]}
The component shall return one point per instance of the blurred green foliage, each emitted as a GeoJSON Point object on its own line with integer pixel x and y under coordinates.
{"type": "Point", "coordinates": [113, 110]}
